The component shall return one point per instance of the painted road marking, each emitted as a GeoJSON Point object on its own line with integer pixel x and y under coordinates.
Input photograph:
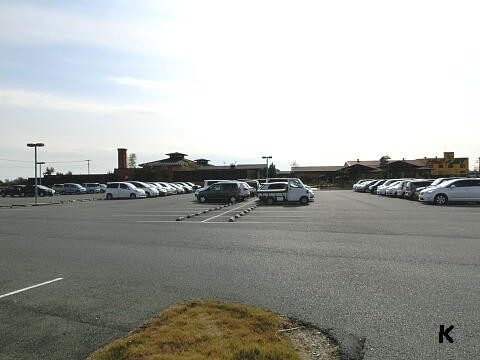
{"type": "Point", "coordinates": [221, 222]}
{"type": "Point", "coordinates": [137, 215]}
{"type": "Point", "coordinates": [30, 287]}
{"type": "Point", "coordinates": [226, 212]}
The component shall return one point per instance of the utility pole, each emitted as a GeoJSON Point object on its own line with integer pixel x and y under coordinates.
{"type": "Point", "coordinates": [88, 166]}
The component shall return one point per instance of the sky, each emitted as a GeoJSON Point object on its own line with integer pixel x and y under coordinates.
{"type": "Point", "coordinates": [315, 82]}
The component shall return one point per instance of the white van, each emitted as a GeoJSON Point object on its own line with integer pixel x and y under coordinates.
{"type": "Point", "coordinates": [117, 190]}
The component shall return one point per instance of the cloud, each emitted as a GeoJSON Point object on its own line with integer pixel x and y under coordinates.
{"type": "Point", "coordinates": [152, 84]}
{"type": "Point", "coordinates": [22, 98]}
{"type": "Point", "coordinates": [22, 24]}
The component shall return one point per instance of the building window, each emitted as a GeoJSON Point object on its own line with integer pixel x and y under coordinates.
{"type": "Point", "coordinates": [440, 166]}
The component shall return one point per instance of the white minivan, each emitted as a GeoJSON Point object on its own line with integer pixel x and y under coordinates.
{"type": "Point", "coordinates": [118, 190]}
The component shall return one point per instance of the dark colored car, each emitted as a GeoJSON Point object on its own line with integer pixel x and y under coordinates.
{"type": "Point", "coordinates": [373, 187]}
{"type": "Point", "coordinates": [16, 190]}
{"type": "Point", "coordinates": [221, 192]}
{"type": "Point", "coordinates": [412, 186]}
{"type": "Point", "coordinates": [29, 190]}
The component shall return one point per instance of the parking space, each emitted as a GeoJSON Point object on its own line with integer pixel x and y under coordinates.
{"type": "Point", "coordinates": [385, 270]}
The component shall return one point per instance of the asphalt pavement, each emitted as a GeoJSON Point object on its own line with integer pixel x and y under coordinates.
{"type": "Point", "coordinates": [383, 273]}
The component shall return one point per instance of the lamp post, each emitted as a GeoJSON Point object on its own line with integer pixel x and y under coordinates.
{"type": "Point", "coordinates": [88, 166]}
{"type": "Point", "coordinates": [267, 157]}
{"type": "Point", "coordinates": [40, 163]}
{"type": "Point", "coordinates": [35, 145]}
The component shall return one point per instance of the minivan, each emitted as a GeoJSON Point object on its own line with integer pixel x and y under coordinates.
{"type": "Point", "coordinates": [221, 192]}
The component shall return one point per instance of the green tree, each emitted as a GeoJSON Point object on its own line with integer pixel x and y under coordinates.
{"type": "Point", "coordinates": [132, 160]}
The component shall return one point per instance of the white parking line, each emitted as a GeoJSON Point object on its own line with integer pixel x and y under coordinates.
{"type": "Point", "coordinates": [226, 212]}
{"type": "Point", "coordinates": [138, 215]}
{"type": "Point", "coordinates": [30, 287]}
{"type": "Point", "coordinates": [220, 222]}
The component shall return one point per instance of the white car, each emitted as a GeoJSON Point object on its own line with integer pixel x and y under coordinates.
{"type": "Point", "coordinates": [245, 190]}
{"type": "Point", "coordinates": [462, 190]}
{"type": "Point", "coordinates": [180, 189]}
{"type": "Point", "coordinates": [149, 189]}
{"type": "Point", "coordinates": [161, 190]}
{"type": "Point", "coordinates": [171, 190]}
{"type": "Point", "coordinates": [117, 190]}
{"type": "Point", "coordinates": [382, 188]}
{"type": "Point", "coordinates": [392, 189]}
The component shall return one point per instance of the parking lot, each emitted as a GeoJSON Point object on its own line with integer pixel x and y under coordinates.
{"type": "Point", "coordinates": [386, 272]}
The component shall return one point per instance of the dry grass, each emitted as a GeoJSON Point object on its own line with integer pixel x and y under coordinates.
{"type": "Point", "coordinates": [197, 330]}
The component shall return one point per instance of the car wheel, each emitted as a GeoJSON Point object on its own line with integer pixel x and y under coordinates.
{"type": "Point", "coordinates": [42, 194]}
{"type": "Point", "coordinates": [109, 196]}
{"type": "Point", "coordinates": [147, 193]}
{"type": "Point", "coordinates": [304, 200]}
{"type": "Point", "coordinates": [133, 196]}
{"type": "Point", "coordinates": [270, 200]}
{"type": "Point", "coordinates": [232, 200]}
{"type": "Point", "coordinates": [202, 199]}
{"type": "Point", "coordinates": [440, 199]}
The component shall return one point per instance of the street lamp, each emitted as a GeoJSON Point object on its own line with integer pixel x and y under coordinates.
{"type": "Point", "coordinates": [41, 175]}
{"type": "Point", "coordinates": [267, 157]}
{"type": "Point", "coordinates": [35, 145]}
{"type": "Point", "coordinates": [88, 166]}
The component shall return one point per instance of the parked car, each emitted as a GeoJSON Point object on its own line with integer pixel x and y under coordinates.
{"type": "Point", "coordinates": [180, 189]}
{"type": "Point", "coordinates": [391, 190]}
{"type": "Point", "coordinates": [171, 190]}
{"type": "Point", "coordinates": [360, 181]}
{"type": "Point", "coordinates": [382, 188]}
{"type": "Point", "coordinates": [118, 190]}
{"type": "Point", "coordinates": [459, 190]}
{"type": "Point", "coordinates": [207, 183]}
{"type": "Point", "coordinates": [401, 188]}
{"type": "Point", "coordinates": [188, 189]}
{"type": "Point", "coordinates": [412, 186]}
{"type": "Point", "coordinates": [72, 188]}
{"type": "Point", "coordinates": [194, 187]}
{"type": "Point", "coordinates": [29, 190]}
{"type": "Point", "coordinates": [150, 191]}
{"type": "Point", "coordinates": [245, 190]}
{"type": "Point", "coordinates": [92, 188]}
{"type": "Point", "coordinates": [16, 190]}
{"type": "Point", "coordinates": [103, 188]}
{"type": "Point", "coordinates": [225, 191]}
{"type": "Point", "coordinates": [436, 182]}
{"type": "Point", "coordinates": [363, 186]}
{"type": "Point", "coordinates": [161, 190]}
{"type": "Point", "coordinates": [373, 187]}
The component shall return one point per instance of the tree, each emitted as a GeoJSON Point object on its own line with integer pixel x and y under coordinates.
{"type": "Point", "coordinates": [384, 161]}
{"type": "Point", "coordinates": [132, 160]}
{"type": "Point", "coordinates": [384, 164]}
{"type": "Point", "coordinates": [294, 163]}
{"type": "Point", "coordinates": [69, 173]}
{"type": "Point", "coordinates": [49, 170]}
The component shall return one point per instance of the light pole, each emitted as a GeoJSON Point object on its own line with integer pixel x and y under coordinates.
{"type": "Point", "coordinates": [35, 145]}
{"type": "Point", "coordinates": [41, 175]}
{"type": "Point", "coordinates": [267, 157]}
{"type": "Point", "coordinates": [88, 166]}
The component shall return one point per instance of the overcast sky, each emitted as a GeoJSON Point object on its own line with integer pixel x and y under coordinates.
{"type": "Point", "coordinates": [318, 82]}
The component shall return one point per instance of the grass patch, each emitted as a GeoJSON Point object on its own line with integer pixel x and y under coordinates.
{"type": "Point", "coordinates": [197, 330]}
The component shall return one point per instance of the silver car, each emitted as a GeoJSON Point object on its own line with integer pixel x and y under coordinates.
{"type": "Point", "coordinates": [460, 190]}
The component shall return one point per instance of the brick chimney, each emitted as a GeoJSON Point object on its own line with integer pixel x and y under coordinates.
{"type": "Point", "coordinates": [122, 158]}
